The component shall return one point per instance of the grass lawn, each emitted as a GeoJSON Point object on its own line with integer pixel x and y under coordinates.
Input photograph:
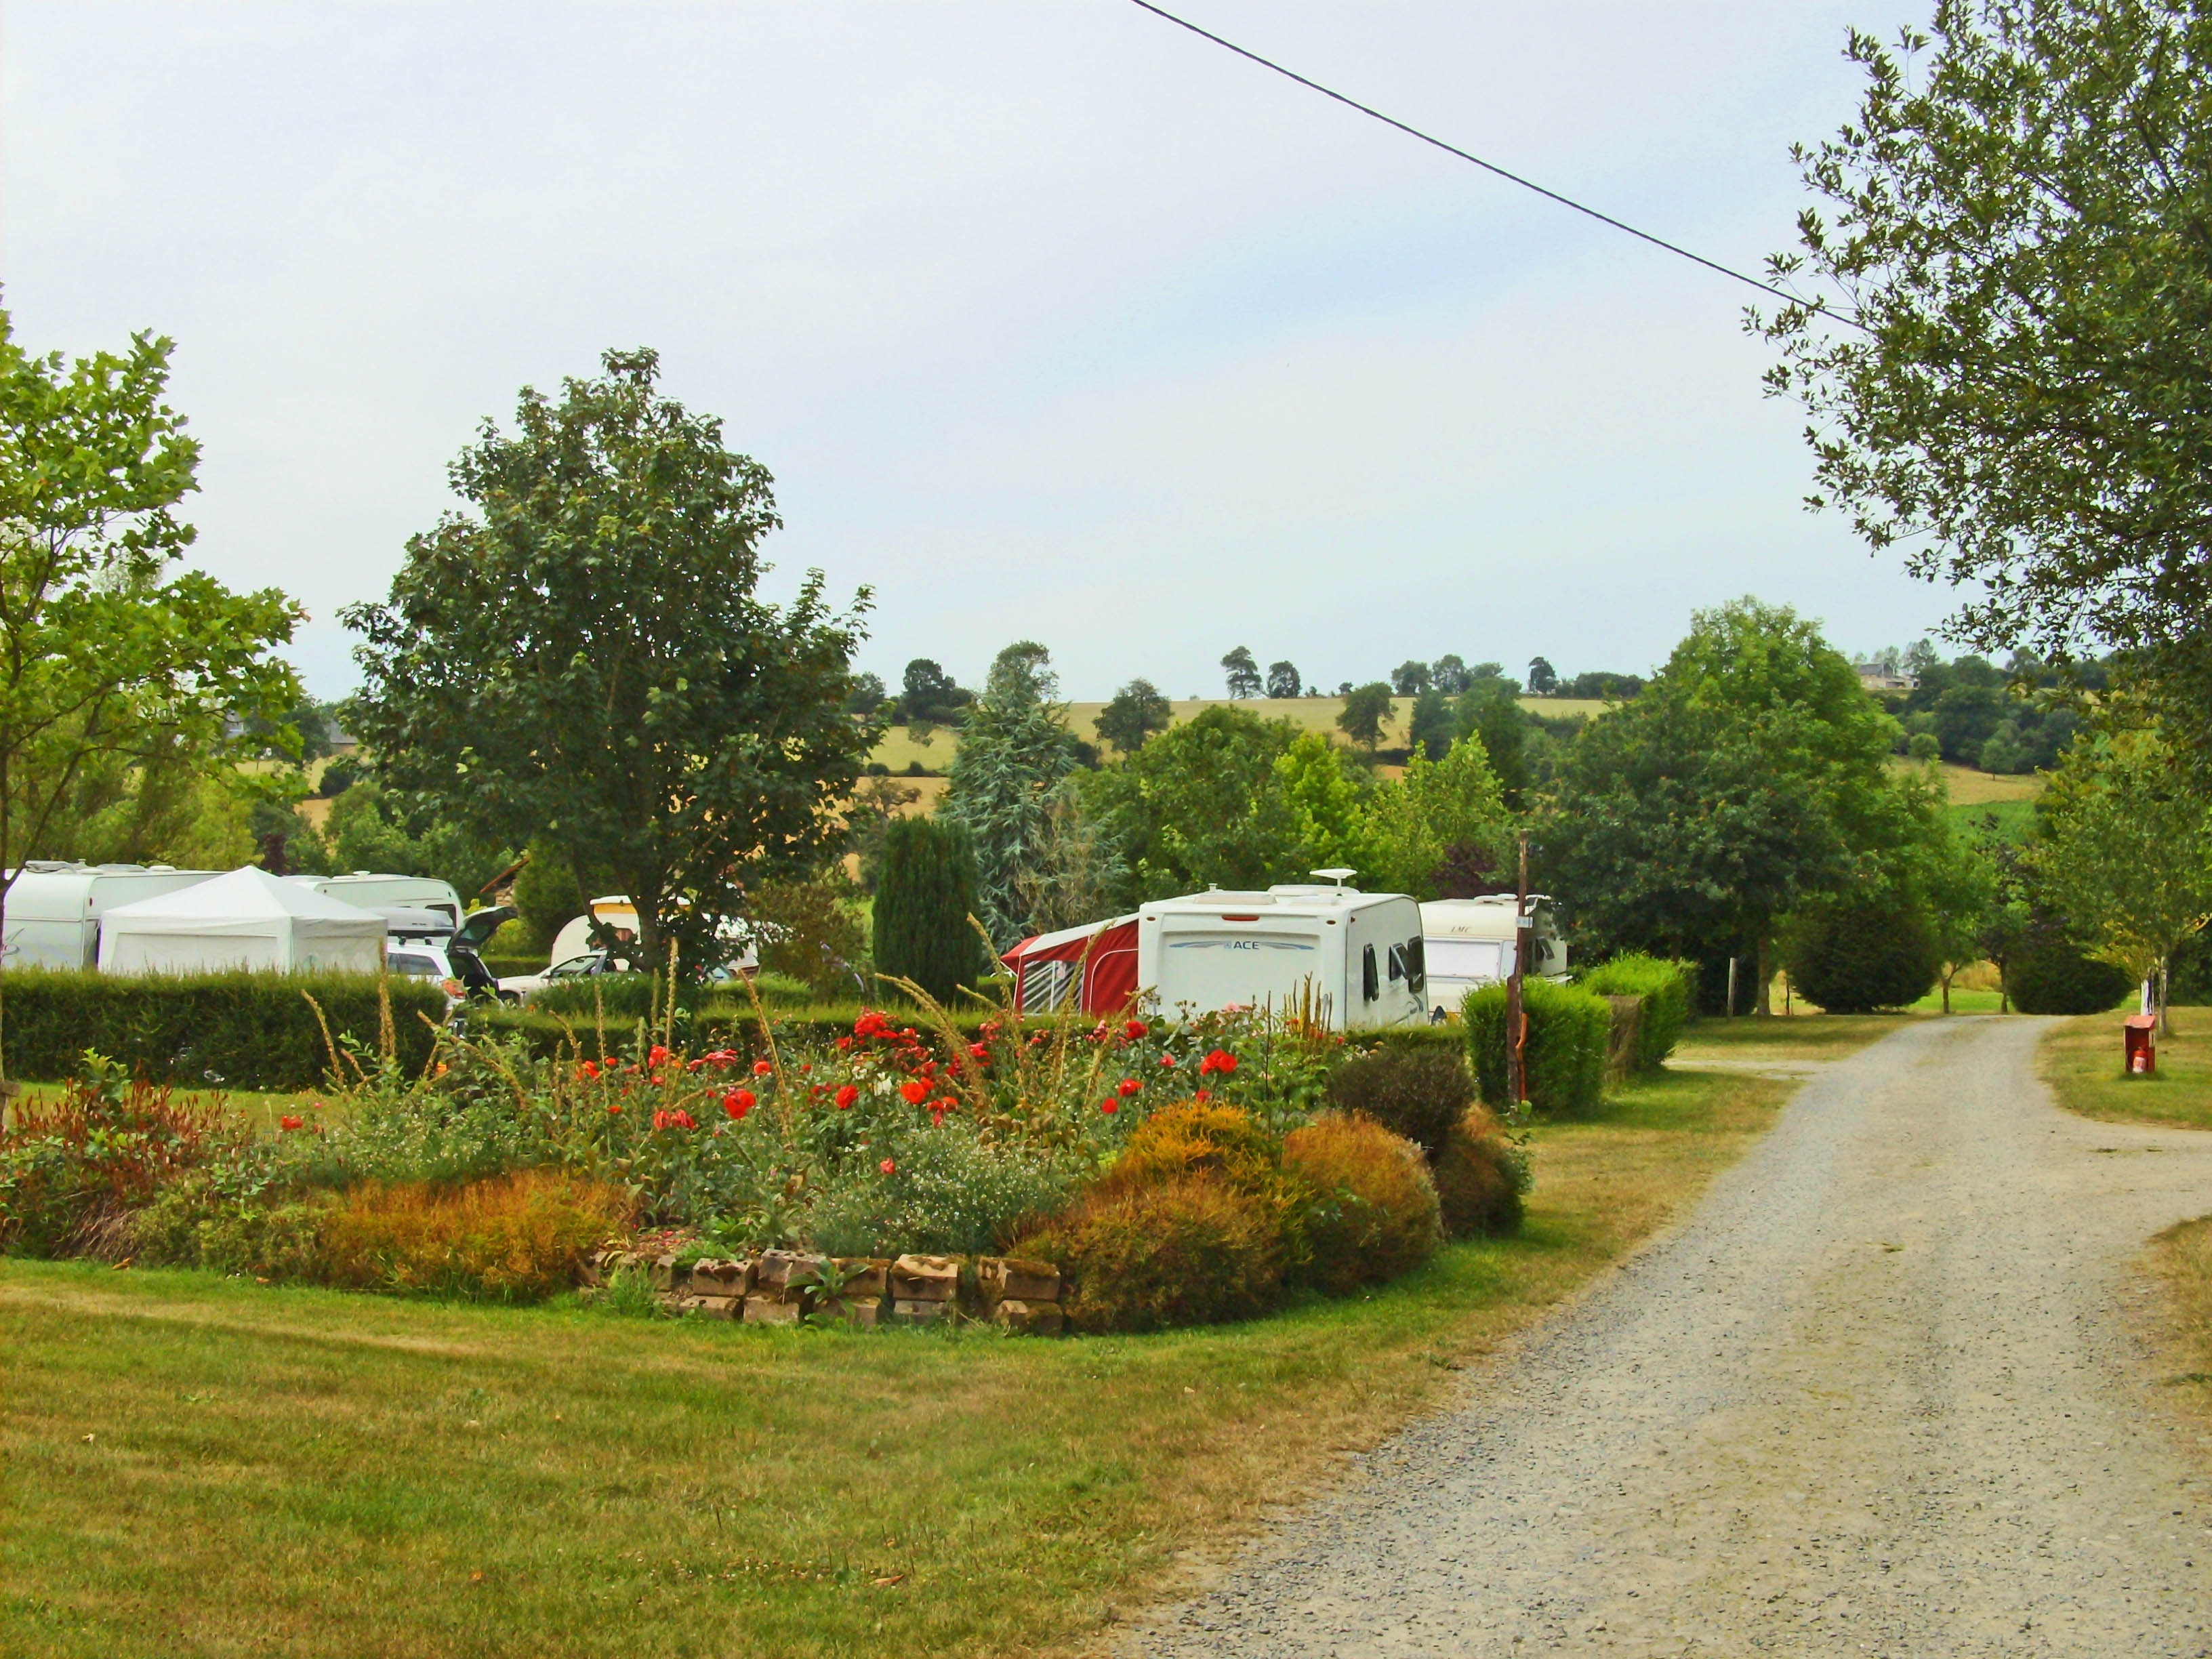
{"type": "Point", "coordinates": [261, 1109]}
{"type": "Point", "coordinates": [200, 1467]}
{"type": "Point", "coordinates": [2181, 1257]}
{"type": "Point", "coordinates": [2081, 1062]}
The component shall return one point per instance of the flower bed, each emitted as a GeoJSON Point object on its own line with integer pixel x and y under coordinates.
{"type": "Point", "coordinates": [1150, 1172]}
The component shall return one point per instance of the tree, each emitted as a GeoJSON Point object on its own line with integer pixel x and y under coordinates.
{"type": "Point", "coordinates": [1958, 887]}
{"type": "Point", "coordinates": [547, 894]}
{"type": "Point", "coordinates": [587, 665]}
{"type": "Point", "coordinates": [1488, 713]}
{"type": "Point", "coordinates": [1014, 750]}
{"type": "Point", "coordinates": [1856, 952]}
{"type": "Point", "coordinates": [1442, 829]}
{"type": "Point", "coordinates": [1243, 673]}
{"type": "Point", "coordinates": [867, 697]}
{"type": "Point", "coordinates": [1409, 678]}
{"type": "Point", "coordinates": [2018, 228]}
{"type": "Point", "coordinates": [1543, 679]}
{"type": "Point", "coordinates": [1197, 807]}
{"type": "Point", "coordinates": [367, 830]}
{"type": "Point", "coordinates": [1138, 710]}
{"type": "Point", "coordinates": [923, 931]}
{"type": "Point", "coordinates": [1748, 779]}
{"type": "Point", "coordinates": [2124, 851]}
{"type": "Point", "coordinates": [1449, 675]}
{"type": "Point", "coordinates": [1327, 808]}
{"type": "Point", "coordinates": [1075, 875]}
{"type": "Point", "coordinates": [1365, 714]}
{"type": "Point", "coordinates": [876, 805]}
{"type": "Point", "coordinates": [1433, 724]}
{"type": "Point", "coordinates": [806, 929]}
{"type": "Point", "coordinates": [1282, 680]}
{"type": "Point", "coordinates": [929, 695]}
{"type": "Point", "coordinates": [107, 658]}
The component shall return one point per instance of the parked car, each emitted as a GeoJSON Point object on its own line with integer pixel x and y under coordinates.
{"type": "Point", "coordinates": [421, 945]}
{"type": "Point", "coordinates": [520, 987]}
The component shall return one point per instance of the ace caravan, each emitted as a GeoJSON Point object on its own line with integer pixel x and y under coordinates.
{"type": "Point", "coordinates": [1359, 956]}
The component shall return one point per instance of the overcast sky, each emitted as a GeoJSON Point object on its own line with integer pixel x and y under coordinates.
{"type": "Point", "coordinates": [1051, 319]}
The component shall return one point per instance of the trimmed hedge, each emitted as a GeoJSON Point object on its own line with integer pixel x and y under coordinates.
{"type": "Point", "coordinates": [234, 1030]}
{"type": "Point", "coordinates": [1862, 951]}
{"type": "Point", "coordinates": [1568, 1031]}
{"type": "Point", "coordinates": [1667, 988]}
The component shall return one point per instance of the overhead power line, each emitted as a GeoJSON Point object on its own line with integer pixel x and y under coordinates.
{"type": "Point", "coordinates": [1505, 174]}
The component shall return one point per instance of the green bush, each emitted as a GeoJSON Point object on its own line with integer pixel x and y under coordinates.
{"type": "Point", "coordinates": [1565, 1056]}
{"type": "Point", "coordinates": [923, 905]}
{"type": "Point", "coordinates": [1860, 952]}
{"type": "Point", "coordinates": [1666, 988]}
{"type": "Point", "coordinates": [1479, 1179]}
{"type": "Point", "coordinates": [1417, 1092]}
{"type": "Point", "coordinates": [235, 1031]}
{"type": "Point", "coordinates": [2050, 974]}
{"type": "Point", "coordinates": [715, 1026]}
{"type": "Point", "coordinates": [1194, 1250]}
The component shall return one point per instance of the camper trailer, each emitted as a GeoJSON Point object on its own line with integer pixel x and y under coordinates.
{"type": "Point", "coordinates": [1355, 958]}
{"type": "Point", "coordinates": [370, 891]}
{"type": "Point", "coordinates": [1471, 942]}
{"type": "Point", "coordinates": [1091, 969]}
{"type": "Point", "coordinates": [54, 911]}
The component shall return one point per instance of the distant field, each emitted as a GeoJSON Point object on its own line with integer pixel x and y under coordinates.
{"type": "Point", "coordinates": [898, 749]}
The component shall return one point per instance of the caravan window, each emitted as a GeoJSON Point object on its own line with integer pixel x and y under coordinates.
{"type": "Point", "coordinates": [1371, 981]}
{"type": "Point", "coordinates": [1476, 959]}
{"type": "Point", "coordinates": [1417, 965]}
{"type": "Point", "coordinates": [1397, 964]}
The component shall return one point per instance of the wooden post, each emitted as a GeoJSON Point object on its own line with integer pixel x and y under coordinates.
{"type": "Point", "coordinates": [1731, 994]}
{"type": "Point", "coordinates": [1516, 1020]}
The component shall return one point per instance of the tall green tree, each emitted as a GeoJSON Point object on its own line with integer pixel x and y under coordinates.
{"type": "Point", "coordinates": [1328, 808]}
{"type": "Point", "coordinates": [585, 661]}
{"type": "Point", "coordinates": [1136, 713]}
{"type": "Point", "coordinates": [110, 657]}
{"type": "Point", "coordinates": [1443, 829]}
{"type": "Point", "coordinates": [2124, 851]}
{"type": "Point", "coordinates": [924, 907]}
{"type": "Point", "coordinates": [2017, 220]}
{"type": "Point", "coordinates": [1198, 807]}
{"type": "Point", "coordinates": [1014, 750]}
{"type": "Point", "coordinates": [1241, 673]}
{"type": "Point", "coordinates": [1750, 777]}
{"type": "Point", "coordinates": [1364, 715]}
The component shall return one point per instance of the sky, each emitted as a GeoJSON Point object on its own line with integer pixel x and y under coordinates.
{"type": "Point", "coordinates": [1052, 320]}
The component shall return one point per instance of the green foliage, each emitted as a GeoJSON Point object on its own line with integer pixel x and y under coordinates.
{"type": "Point", "coordinates": [546, 893]}
{"type": "Point", "coordinates": [1421, 1092]}
{"type": "Point", "coordinates": [1442, 831]}
{"type": "Point", "coordinates": [1365, 713]}
{"type": "Point", "coordinates": [1196, 808]}
{"type": "Point", "coordinates": [1564, 1059]}
{"type": "Point", "coordinates": [809, 931]}
{"type": "Point", "coordinates": [2049, 974]}
{"type": "Point", "coordinates": [1242, 673]}
{"type": "Point", "coordinates": [233, 1030]}
{"type": "Point", "coordinates": [1669, 990]}
{"type": "Point", "coordinates": [1138, 711]}
{"type": "Point", "coordinates": [948, 1192]}
{"type": "Point", "coordinates": [2017, 227]}
{"type": "Point", "coordinates": [365, 832]}
{"type": "Point", "coordinates": [1748, 778]}
{"type": "Point", "coordinates": [1433, 724]}
{"type": "Point", "coordinates": [117, 678]}
{"type": "Point", "coordinates": [588, 662]}
{"type": "Point", "coordinates": [1855, 953]}
{"type": "Point", "coordinates": [1488, 713]}
{"type": "Point", "coordinates": [511, 1239]}
{"type": "Point", "coordinates": [1370, 1211]}
{"type": "Point", "coordinates": [929, 697]}
{"type": "Point", "coordinates": [1481, 1178]}
{"type": "Point", "coordinates": [1283, 680]}
{"type": "Point", "coordinates": [1014, 749]}
{"type": "Point", "coordinates": [1326, 801]}
{"type": "Point", "coordinates": [922, 932]}
{"type": "Point", "coordinates": [2124, 851]}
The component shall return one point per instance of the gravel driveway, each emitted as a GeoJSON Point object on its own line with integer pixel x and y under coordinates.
{"type": "Point", "coordinates": [1879, 1394]}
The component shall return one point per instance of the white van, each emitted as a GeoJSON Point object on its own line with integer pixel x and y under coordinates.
{"type": "Point", "coordinates": [52, 911]}
{"type": "Point", "coordinates": [371, 891]}
{"type": "Point", "coordinates": [1361, 953]}
{"type": "Point", "coordinates": [1470, 943]}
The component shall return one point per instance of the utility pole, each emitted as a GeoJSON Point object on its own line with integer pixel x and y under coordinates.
{"type": "Point", "coordinates": [1516, 1020]}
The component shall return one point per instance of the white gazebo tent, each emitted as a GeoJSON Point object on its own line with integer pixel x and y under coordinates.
{"type": "Point", "coordinates": [248, 918]}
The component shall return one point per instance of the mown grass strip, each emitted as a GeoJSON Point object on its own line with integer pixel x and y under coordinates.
{"type": "Point", "coordinates": [197, 1466]}
{"type": "Point", "coordinates": [2080, 1059]}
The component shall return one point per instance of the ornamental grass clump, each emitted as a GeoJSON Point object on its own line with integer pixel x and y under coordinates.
{"type": "Point", "coordinates": [1192, 1250]}
{"type": "Point", "coordinates": [1371, 1206]}
{"type": "Point", "coordinates": [512, 1238]}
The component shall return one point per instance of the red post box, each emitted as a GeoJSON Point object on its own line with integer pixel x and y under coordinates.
{"type": "Point", "coordinates": [2141, 1052]}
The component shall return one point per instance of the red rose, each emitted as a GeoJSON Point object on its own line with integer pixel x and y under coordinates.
{"type": "Point", "coordinates": [1129, 1086]}
{"type": "Point", "coordinates": [614, 1109]}
{"type": "Point", "coordinates": [977, 1051]}
{"type": "Point", "coordinates": [737, 1103]}
{"type": "Point", "coordinates": [887, 1167]}
{"type": "Point", "coordinates": [1132, 1029]}
{"type": "Point", "coordinates": [656, 1056]}
{"type": "Point", "coordinates": [590, 1068]}
{"type": "Point", "coordinates": [914, 1090]}
{"type": "Point", "coordinates": [290, 1122]}
{"type": "Point", "coordinates": [1166, 1060]}
{"type": "Point", "coordinates": [845, 1096]}
{"type": "Point", "coordinates": [1110, 1105]}
{"type": "Point", "coordinates": [762, 1068]}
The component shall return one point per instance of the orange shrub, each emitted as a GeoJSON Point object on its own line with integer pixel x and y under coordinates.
{"type": "Point", "coordinates": [1479, 1178]}
{"type": "Point", "coordinates": [1192, 1250]}
{"type": "Point", "coordinates": [512, 1238]}
{"type": "Point", "coordinates": [1196, 1136]}
{"type": "Point", "coordinates": [1371, 1213]}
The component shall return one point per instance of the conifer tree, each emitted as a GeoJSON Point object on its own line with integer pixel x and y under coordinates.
{"type": "Point", "coordinates": [922, 907]}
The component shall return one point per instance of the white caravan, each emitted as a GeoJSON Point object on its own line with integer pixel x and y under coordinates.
{"type": "Point", "coordinates": [367, 890]}
{"type": "Point", "coordinates": [1358, 955]}
{"type": "Point", "coordinates": [1470, 943]}
{"type": "Point", "coordinates": [52, 912]}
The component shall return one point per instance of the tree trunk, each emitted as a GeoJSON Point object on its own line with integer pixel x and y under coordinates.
{"type": "Point", "coordinates": [2165, 1025]}
{"type": "Point", "coordinates": [1766, 971]}
{"type": "Point", "coordinates": [1946, 989]}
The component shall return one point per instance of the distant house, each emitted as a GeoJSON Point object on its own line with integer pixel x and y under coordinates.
{"type": "Point", "coordinates": [1882, 680]}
